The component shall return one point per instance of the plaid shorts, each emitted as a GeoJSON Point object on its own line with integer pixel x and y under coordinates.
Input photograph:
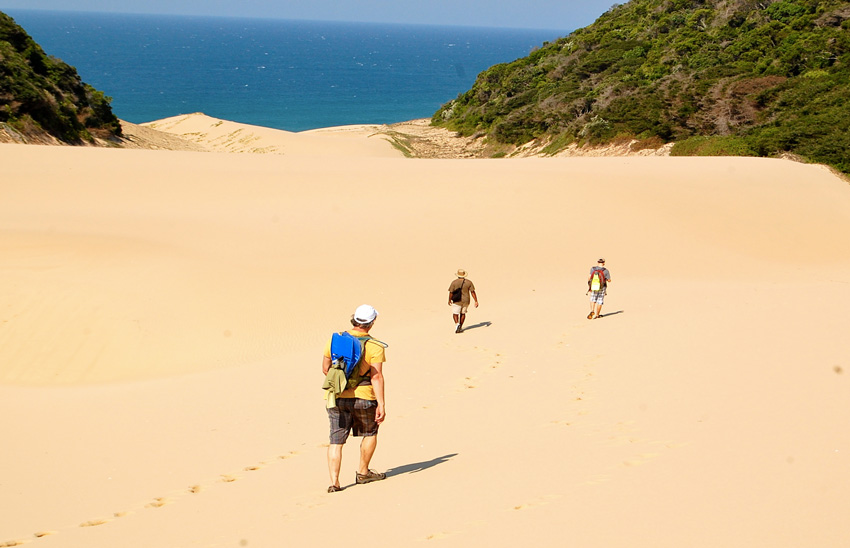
{"type": "Point", "coordinates": [352, 415]}
{"type": "Point", "coordinates": [597, 297]}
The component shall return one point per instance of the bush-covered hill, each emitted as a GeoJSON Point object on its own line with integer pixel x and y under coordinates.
{"type": "Point", "coordinates": [41, 94]}
{"type": "Point", "coordinates": [744, 77]}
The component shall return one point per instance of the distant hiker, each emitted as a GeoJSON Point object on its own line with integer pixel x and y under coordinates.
{"type": "Point", "coordinates": [355, 405]}
{"type": "Point", "coordinates": [597, 285]}
{"type": "Point", "coordinates": [459, 292]}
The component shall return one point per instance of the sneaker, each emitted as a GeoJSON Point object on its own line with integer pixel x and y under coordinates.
{"type": "Point", "coordinates": [457, 328]}
{"type": "Point", "coordinates": [369, 477]}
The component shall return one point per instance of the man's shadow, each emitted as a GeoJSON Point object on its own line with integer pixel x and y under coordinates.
{"type": "Point", "coordinates": [476, 326]}
{"type": "Point", "coordinates": [611, 314]}
{"type": "Point", "coordinates": [419, 466]}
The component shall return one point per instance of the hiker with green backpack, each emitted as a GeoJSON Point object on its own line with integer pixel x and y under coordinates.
{"type": "Point", "coordinates": [354, 389]}
{"type": "Point", "coordinates": [597, 285]}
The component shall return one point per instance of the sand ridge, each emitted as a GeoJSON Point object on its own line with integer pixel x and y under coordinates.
{"type": "Point", "coordinates": [163, 312]}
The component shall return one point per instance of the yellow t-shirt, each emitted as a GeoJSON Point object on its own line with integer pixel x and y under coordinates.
{"type": "Point", "coordinates": [373, 353]}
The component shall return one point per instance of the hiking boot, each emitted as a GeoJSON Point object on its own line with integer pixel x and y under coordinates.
{"type": "Point", "coordinates": [369, 477]}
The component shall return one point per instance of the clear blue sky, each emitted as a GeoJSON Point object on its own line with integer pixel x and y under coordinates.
{"type": "Point", "coordinates": [541, 14]}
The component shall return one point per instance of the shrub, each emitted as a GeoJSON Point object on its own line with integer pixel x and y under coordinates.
{"type": "Point", "coordinates": [712, 146]}
{"type": "Point", "coordinates": [39, 93]}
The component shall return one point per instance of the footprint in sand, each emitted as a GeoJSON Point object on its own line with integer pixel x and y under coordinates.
{"type": "Point", "coordinates": [158, 502]}
{"type": "Point", "coordinates": [596, 480]}
{"type": "Point", "coordinates": [94, 522]}
{"type": "Point", "coordinates": [537, 502]}
{"type": "Point", "coordinates": [640, 460]}
{"type": "Point", "coordinates": [437, 536]}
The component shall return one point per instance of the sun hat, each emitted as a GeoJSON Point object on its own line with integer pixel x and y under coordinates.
{"type": "Point", "coordinates": [365, 314]}
{"type": "Point", "coordinates": [461, 273]}
{"type": "Point", "coordinates": [601, 261]}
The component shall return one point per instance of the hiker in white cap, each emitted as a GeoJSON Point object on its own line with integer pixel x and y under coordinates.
{"type": "Point", "coordinates": [597, 286]}
{"type": "Point", "coordinates": [459, 292]}
{"type": "Point", "coordinates": [359, 408]}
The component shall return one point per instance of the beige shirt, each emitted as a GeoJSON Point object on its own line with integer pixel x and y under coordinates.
{"type": "Point", "coordinates": [467, 287]}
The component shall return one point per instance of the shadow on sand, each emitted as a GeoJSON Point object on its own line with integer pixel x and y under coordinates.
{"type": "Point", "coordinates": [611, 314]}
{"type": "Point", "coordinates": [419, 466]}
{"type": "Point", "coordinates": [476, 326]}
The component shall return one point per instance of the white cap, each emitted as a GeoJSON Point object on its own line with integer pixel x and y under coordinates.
{"type": "Point", "coordinates": [365, 314]}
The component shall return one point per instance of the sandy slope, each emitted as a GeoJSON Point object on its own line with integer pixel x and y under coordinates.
{"type": "Point", "coordinates": [225, 136]}
{"type": "Point", "coordinates": [163, 313]}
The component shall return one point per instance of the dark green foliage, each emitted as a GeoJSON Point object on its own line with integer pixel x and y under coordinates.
{"type": "Point", "coordinates": [41, 93]}
{"type": "Point", "coordinates": [716, 145]}
{"type": "Point", "coordinates": [752, 76]}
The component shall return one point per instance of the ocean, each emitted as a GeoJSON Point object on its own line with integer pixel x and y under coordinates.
{"type": "Point", "coordinates": [291, 75]}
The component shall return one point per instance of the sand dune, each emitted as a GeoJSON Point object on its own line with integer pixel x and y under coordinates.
{"type": "Point", "coordinates": [224, 136]}
{"type": "Point", "coordinates": [163, 315]}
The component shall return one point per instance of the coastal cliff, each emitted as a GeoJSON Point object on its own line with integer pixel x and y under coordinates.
{"type": "Point", "coordinates": [715, 77]}
{"type": "Point", "coordinates": [44, 100]}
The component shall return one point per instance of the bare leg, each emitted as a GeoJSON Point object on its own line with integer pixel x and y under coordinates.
{"type": "Point", "coordinates": [367, 449]}
{"type": "Point", "coordinates": [334, 462]}
{"type": "Point", "coordinates": [462, 318]}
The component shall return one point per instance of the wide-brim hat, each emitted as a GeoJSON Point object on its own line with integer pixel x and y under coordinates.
{"type": "Point", "coordinates": [461, 273]}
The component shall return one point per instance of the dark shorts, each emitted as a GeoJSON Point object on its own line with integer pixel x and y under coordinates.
{"type": "Point", "coordinates": [352, 415]}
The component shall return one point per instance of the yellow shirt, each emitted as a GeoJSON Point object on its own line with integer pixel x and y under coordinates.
{"type": "Point", "coordinates": [373, 353]}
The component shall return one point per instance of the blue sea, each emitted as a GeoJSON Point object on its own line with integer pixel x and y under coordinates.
{"type": "Point", "coordinates": [292, 75]}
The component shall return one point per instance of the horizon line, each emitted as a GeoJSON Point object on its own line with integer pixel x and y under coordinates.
{"type": "Point", "coordinates": [565, 32]}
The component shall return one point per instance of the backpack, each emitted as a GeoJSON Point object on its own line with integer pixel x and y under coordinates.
{"type": "Point", "coordinates": [346, 353]}
{"type": "Point", "coordinates": [457, 293]}
{"type": "Point", "coordinates": [597, 280]}
{"type": "Point", "coordinates": [346, 356]}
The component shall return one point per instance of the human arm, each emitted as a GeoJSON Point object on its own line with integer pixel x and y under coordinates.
{"type": "Point", "coordinates": [474, 296]}
{"type": "Point", "coordinates": [326, 365]}
{"type": "Point", "coordinates": [377, 375]}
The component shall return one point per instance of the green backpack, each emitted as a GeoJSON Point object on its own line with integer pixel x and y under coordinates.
{"type": "Point", "coordinates": [597, 280]}
{"type": "Point", "coordinates": [347, 352]}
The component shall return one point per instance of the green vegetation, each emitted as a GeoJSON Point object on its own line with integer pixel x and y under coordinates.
{"type": "Point", "coordinates": [400, 142]}
{"type": "Point", "coordinates": [740, 77]}
{"type": "Point", "coordinates": [41, 94]}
